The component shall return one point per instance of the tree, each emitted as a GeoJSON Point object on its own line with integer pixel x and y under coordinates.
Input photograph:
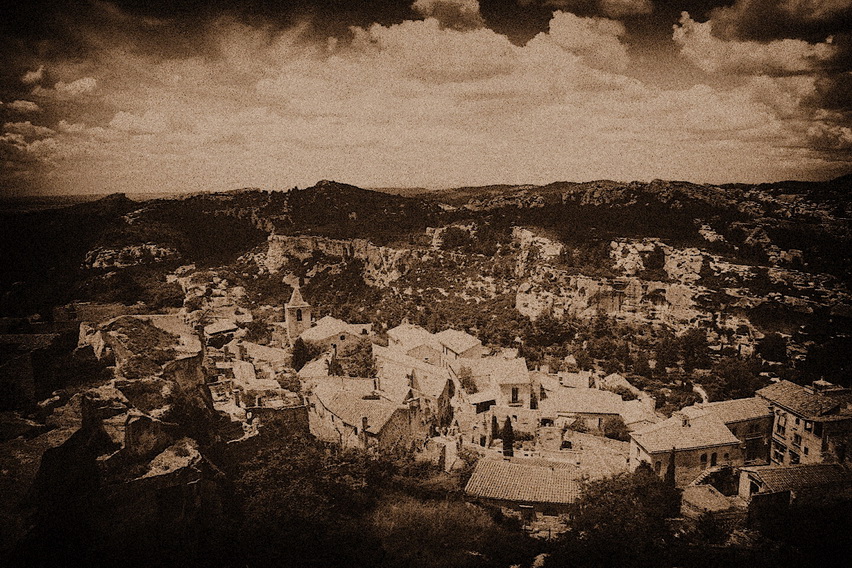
{"type": "Point", "coordinates": [773, 347]}
{"type": "Point", "coordinates": [693, 348]}
{"type": "Point", "coordinates": [614, 427]}
{"type": "Point", "coordinates": [508, 438]}
{"type": "Point", "coordinates": [732, 377]}
{"type": "Point", "coordinates": [303, 353]}
{"type": "Point", "coordinates": [495, 428]}
{"type": "Point", "coordinates": [620, 521]}
{"type": "Point", "coordinates": [668, 352]}
{"type": "Point", "coordinates": [465, 377]}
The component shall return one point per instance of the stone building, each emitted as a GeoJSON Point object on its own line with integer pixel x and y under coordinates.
{"type": "Point", "coordinates": [695, 442]}
{"type": "Point", "coordinates": [812, 424]}
{"type": "Point", "coordinates": [297, 315]}
{"type": "Point", "coordinates": [749, 419]}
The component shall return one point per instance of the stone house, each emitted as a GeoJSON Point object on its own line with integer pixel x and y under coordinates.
{"type": "Point", "coordinates": [415, 342]}
{"type": "Point", "coordinates": [590, 406]}
{"type": "Point", "coordinates": [356, 419]}
{"type": "Point", "coordinates": [749, 419]}
{"type": "Point", "coordinates": [336, 335]}
{"type": "Point", "coordinates": [797, 485]}
{"type": "Point", "coordinates": [437, 349]}
{"type": "Point", "coordinates": [509, 379]}
{"type": "Point", "coordinates": [431, 384]}
{"type": "Point", "coordinates": [457, 344]}
{"type": "Point", "coordinates": [696, 442]}
{"type": "Point", "coordinates": [534, 490]}
{"type": "Point", "coordinates": [812, 424]}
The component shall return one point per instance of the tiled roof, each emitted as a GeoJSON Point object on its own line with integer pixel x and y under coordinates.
{"type": "Point", "coordinates": [351, 408]}
{"type": "Point", "coordinates": [265, 353]}
{"type": "Point", "coordinates": [220, 326]}
{"type": "Point", "coordinates": [499, 479]}
{"type": "Point", "coordinates": [400, 358]}
{"type": "Point", "coordinates": [316, 368]}
{"type": "Point", "coordinates": [635, 412]}
{"type": "Point", "coordinates": [730, 411]}
{"type": "Point", "coordinates": [500, 370]}
{"type": "Point", "coordinates": [457, 341]}
{"type": "Point", "coordinates": [800, 400]}
{"type": "Point", "coordinates": [409, 336]}
{"type": "Point", "coordinates": [581, 401]}
{"type": "Point", "coordinates": [326, 327]}
{"type": "Point", "coordinates": [790, 478]}
{"type": "Point", "coordinates": [701, 431]}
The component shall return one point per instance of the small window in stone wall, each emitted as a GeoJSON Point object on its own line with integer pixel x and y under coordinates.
{"type": "Point", "coordinates": [703, 459]}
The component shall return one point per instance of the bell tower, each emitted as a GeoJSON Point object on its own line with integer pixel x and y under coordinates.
{"type": "Point", "coordinates": [297, 315]}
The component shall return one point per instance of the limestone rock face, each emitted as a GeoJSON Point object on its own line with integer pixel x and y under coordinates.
{"type": "Point", "coordinates": [382, 265]}
{"type": "Point", "coordinates": [548, 290]}
{"type": "Point", "coordinates": [130, 255]}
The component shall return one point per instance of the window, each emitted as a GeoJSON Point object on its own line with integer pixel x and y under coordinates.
{"type": "Point", "coordinates": [515, 394]}
{"type": "Point", "coordinates": [818, 429]}
{"type": "Point", "coordinates": [809, 426]}
{"type": "Point", "coordinates": [298, 315]}
{"type": "Point", "coordinates": [797, 421]}
{"type": "Point", "coordinates": [713, 459]}
{"type": "Point", "coordinates": [342, 338]}
{"type": "Point", "coordinates": [703, 459]}
{"type": "Point", "coordinates": [797, 440]}
{"type": "Point", "coordinates": [658, 466]}
{"type": "Point", "coordinates": [806, 450]}
{"type": "Point", "coordinates": [778, 452]}
{"type": "Point", "coordinates": [794, 458]}
{"type": "Point", "coordinates": [727, 456]}
{"type": "Point", "coordinates": [781, 424]}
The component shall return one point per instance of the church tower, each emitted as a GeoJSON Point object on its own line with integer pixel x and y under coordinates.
{"type": "Point", "coordinates": [297, 315]}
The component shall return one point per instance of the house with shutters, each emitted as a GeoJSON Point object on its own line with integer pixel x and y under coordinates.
{"type": "Point", "coordinates": [812, 424]}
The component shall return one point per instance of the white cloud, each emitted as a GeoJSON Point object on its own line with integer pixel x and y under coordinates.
{"type": "Point", "coordinates": [75, 88]}
{"type": "Point", "coordinates": [595, 40]}
{"type": "Point", "coordinates": [457, 14]}
{"type": "Point", "coordinates": [28, 129]}
{"type": "Point", "coordinates": [33, 77]}
{"type": "Point", "coordinates": [714, 55]}
{"type": "Point", "coordinates": [622, 8]}
{"type": "Point", "coordinates": [23, 107]}
{"type": "Point", "coordinates": [415, 103]}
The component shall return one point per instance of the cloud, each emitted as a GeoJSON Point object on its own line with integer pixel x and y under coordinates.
{"type": "Point", "coordinates": [453, 14]}
{"type": "Point", "coordinates": [23, 107]}
{"type": "Point", "coordinates": [713, 55]}
{"type": "Point", "coordinates": [412, 103]}
{"type": "Point", "coordinates": [27, 129]}
{"type": "Point", "coordinates": [76, 88]}
{"type": "Point", "coordinates": [33, 77]}
{"type": "Point", "coordinates": [595, 40]}
{"type": "Point", "coordinates": [610, 8]}
{"type": "Point", "coordinates": [765, 20]}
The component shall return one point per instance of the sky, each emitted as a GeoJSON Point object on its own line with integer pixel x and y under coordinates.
{"type": "Point", "coordinates": [153, 96]}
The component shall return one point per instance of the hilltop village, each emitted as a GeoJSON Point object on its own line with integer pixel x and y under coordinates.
{"type": "Point", "coordinates": [529, 440]}
{"type": "Point", "coordinates": [531, 400]}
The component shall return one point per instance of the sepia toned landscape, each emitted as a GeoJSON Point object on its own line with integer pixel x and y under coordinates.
{"type": "Point", "coordinates": [444, 356]}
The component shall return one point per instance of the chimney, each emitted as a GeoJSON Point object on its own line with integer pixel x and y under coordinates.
{"type": "Point", "coordinates": [684, 419]}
